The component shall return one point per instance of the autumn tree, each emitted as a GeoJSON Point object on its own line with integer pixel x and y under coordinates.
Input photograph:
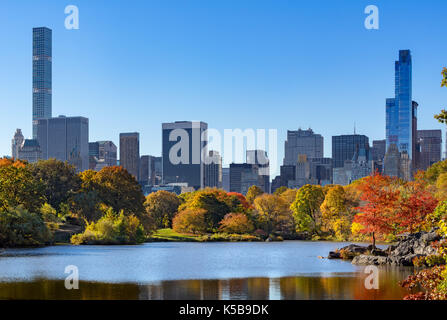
{"type": "Point", "coordinates": [379, 199]}
{"type": "Point", "coordinates": [335, 215]}
{"type": "Point", "coordinates": [415, 204]}
{"type": "Point", "coordinates": [289, 196]}
{"type": "Point", "coordinates": [19, 187]}
{"type": "Point", "coordinates": [59, 179]}
{"type": "Point", "coordinates": [238, 202]}
{"type": "Point", "coordinates": [442, 116]}
{"type": "Point", "coordinates": [306, 208]}
{"type": "Point", "coordinates": [162, 206]}
{"type": "Point", "coordinates": [272, 214]}
{"type": "Point", "coordinates": [280, 190]}
{"type": "Point", "coordinates": [236, 223]}
{"type": "Point", "coordinates": [190, 221]}
{"type": "Point", "coordinates": [252, 193]}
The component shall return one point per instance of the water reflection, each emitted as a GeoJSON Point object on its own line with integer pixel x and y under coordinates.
{"type": "Point", "coordinates": [343, 286]}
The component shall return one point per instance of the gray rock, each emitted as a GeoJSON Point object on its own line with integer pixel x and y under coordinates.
{"type": "Point", "coordinates": [369, 260]}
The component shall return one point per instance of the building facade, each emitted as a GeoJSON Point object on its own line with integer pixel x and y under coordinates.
{"type": "Point", "coordinates": [182, 146]}
{"type": "Point", "coordinates": [102, 154]}
{"type": "Point", "coordinates": [16, 143]}
{"type": "Point", "coordinates": [130, 153]}
{"type": "Point", "coordinates": [344, 148]}
{"type": "Point", "coordinates": [42, 75]}
{"type": "Point", "coordinates": [213, 170]}
{"type": "Point", "coordinates": [429, 145]}
{"type": "Point", "coordinates": [30, 151]}
{"type": "Point", "coordinates": [302, 142]}
{"type": "Point", "coordinates": [65, 139]}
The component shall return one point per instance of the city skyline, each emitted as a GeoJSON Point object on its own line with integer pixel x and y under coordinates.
{"type": "Point", "coordinates": [150, 139]}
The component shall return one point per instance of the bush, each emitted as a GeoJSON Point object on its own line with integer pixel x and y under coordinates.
{"type": "Point", "coordinates": [236, 223]}
{"type": "Point", "coordinates": [112, 229]}
{"type": "Point", "coordinates": [190, 221]}
{"type": "Point", "coordinates": [20, 228]}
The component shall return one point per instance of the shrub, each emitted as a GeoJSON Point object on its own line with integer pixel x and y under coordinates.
{"type": "Point", "coordinates": [190, 221]}
{"type": "Point", "coordinates": [112, 229]}
{"type": "Point", "coordinates": [236, 223]}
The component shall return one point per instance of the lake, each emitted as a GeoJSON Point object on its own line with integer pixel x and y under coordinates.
{"type": "Point", "coordinates": [188, 270]}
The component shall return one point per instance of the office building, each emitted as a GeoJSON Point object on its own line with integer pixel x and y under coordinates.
{"type": "Point", "coordinates": [344, 148]}
{"type": "Point", "coordinates": [302, 142]}
{"type": "Point", "coordinates": [16, 143]}
{"type": "Point", "coordinates": [213, 170]}
{"type": "Point", "coordinates": [378, 150]}
{"type": "Point", "coordinates": [64, 139]}
{"type": "Point", "coordinates": [260, 159]}
{"type": "Point", "coordinates": [429, 144]}
{"type": "Point", "coordinates": [42, 76]}
{"type": "Point", "coordinates": [226, 179]}
{"type": "Point", "coordinates": [102, 154]}
{"type": "Point", "coordinates": [130, 153]}
{"type": "Point", "coordinates": [182, 145]}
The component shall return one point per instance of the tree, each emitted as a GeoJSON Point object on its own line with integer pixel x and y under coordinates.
{"type": "Point", "coordinates": [190, 221]}
{"type": "Point", "coordinates": [162, 206]}
{"type": "Point", "coordinates": [236, 223]}
{"type": "Point", "coordinates": [280, 190]}
{"type": "Point", "coordinates": [289, 196]}
{"type": "Point", "coordinates": [215, 202]}
{"type": "Point", "coordinates": [252, 193]}
{"type": "Point", "coordinates": [238, 202]}
{"type": "Point", "coordinates": [306, 208]}
{"type": "Point", "coordinates": [20, 228]}
{"type": "Point", "coordinates": [442, 117]}
{"type": "Point", "coordinates": [59, 179]}
{"type": "Point", "coordinates": [379, 199]}
{"type": "Point", "coordinates": [414, 206]}
{"type": "Point", "coordinates": [335, 214]}
{"type": "Point", "coordinates": [19, 187]}
{"type": "Point", "coordinates": [272, 214]}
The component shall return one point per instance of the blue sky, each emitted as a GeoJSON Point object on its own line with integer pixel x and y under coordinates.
{"type": "Point", "coordinates": [233, 64]}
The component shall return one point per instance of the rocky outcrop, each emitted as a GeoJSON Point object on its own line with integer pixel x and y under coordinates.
{"type": "Point", "coordinates": [408, 247]}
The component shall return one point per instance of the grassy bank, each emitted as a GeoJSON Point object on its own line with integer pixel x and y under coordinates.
{"type": "Point", "coordinates": [169, 235]}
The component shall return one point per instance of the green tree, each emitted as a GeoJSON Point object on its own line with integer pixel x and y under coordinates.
{"type": "Point", "coordinates": [306, 208]}
{"type": "Point", "coordinates": [162, 207]}
{"type": "Point", "coordinates": [20, 228]}
{"type": "Point", "coordinates": [252, 193]}
{"type": "Point", "coordinates": [19, 187]}
{"type": "Point", "coordinates": [59, 179]}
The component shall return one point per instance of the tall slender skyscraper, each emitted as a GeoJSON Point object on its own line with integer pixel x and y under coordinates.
{"type": "Point", "coordinates": [42, 75]}
{"type": "Point", "coordinates": [400, 110]}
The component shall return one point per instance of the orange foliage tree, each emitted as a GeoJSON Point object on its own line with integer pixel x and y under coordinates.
{"type": "Point", "coordinates": [190, 221]}
{"type": "Point", "coordinates": [236, 223]}
{"type": "Point", "coordinates": [379, 199]}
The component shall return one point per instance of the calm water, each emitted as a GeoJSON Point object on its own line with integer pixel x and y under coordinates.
{"type": "Point", "coordinates": [278, 270]}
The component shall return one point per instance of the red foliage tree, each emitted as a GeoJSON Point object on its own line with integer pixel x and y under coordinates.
{"type": "Point", "coordinates": [379, 199]}
{"type": "Point", "coordinates": [241, 199]}
{"type": "Point", "coordinates": [414, 206]}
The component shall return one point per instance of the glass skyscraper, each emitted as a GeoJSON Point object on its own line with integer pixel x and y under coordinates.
{"type": "Point", "coordinates": [399, 110]}
{"type": "Point", "coordinates": [42, 84]}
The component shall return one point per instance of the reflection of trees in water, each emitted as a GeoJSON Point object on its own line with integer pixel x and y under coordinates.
{"type": "Point", "coordinates": [291, 288]}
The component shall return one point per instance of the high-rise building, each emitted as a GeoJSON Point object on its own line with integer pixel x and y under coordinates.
{"type": "Point", "coordinates": [102, 154]}
{"type": "Point", "coordinates": [321, 170]}
{"type": "Point", "coordinates": [30, 151]}
{"type": "Point", "coordinates": [64, 139]}
{"type": "Point", "coordinates": [260, 159]}
{"type": "Point", "coordinates": [226, 179]}
{"type": "Point", "coordinates": [150, 170]}
{"type": "Point", "coordinates": [16, 143]}
{"type": "Point", "coordinates": [302, 142]}
{"type": "Point", "coordinates": [42, 75]}
{"type": "Point", "coordinates": [429, 143]}
{"type": "Point", "coordinates": [243, 176]}
{"type": "Point", "coordinates": [378, 150]}
{"type": "Point", "coordinates": [182, 145]}
{"type": "Point", "coordinates": [213, 170]}
{"type": "Point", "coordinates": [400, 110]}
{"type": "Point", "coordinates": [130, 152]}
{"type": "Point", "coordinates": [344, 148]}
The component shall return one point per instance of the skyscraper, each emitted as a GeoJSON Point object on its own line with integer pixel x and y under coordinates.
{"type": "Point", "coordinates": [429, 144]}
{"type": "Point", "coordinates": [42, 75]}
{"type": "Point", "coordinates": [64, 139]}
{"type": "Point", "coordinates": [16, 143]}
{"type": "Point", "coordinates": [302, 142]}
{"type": "Point", "coordinates": [102, 154]}
{"type": "Point", "coordinates": [213, 170]}
{"type": "Point", "coordinates": [260, 159]}
{"type": "Point", "coordinates": [182, 145]}
{"type": "Point", "coordinates": [130, 153]}
{"type": "Point", "coordinates": [400, 110]}
{"type": "Point", "coordinates": [344, 148]}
